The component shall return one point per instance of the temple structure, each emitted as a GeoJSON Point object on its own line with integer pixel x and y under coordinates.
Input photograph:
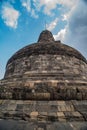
{"type": "Point", "coordinates": [45, 82]}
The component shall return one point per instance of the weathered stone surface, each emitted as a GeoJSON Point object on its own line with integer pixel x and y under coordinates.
{"type": "Point", "coordinates": [44, 110]}
{"type": "Point", "coordinates": [45, 88]}
{"type": "Point", "coordinates": [47, 70]}
{"type": "Point", "coordinates": [21, 125]}
{"type": "Point", "coordinates": [46, 36]}
{"type": "Point", "coordinates": [61, 81]}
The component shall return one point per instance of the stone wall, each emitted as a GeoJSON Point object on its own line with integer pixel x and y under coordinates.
{"type": "Point", "coordinates": [59, 66]}
{"type": "Point", "coordinates": [43, 90]}
{"type": "Point", "coordinates": [49, 76]}
{"type": "Point", "coordinates": [43, 111]}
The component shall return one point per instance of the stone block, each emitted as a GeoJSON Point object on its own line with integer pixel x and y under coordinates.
{"type": "Point", "coordinates": [61, 116]}
{"type": "Point", "coordinates": [52, 116]}
{"type": "Point", "coordinates": [34, 115]}
{"type": "Point", "coordinates": [61, 103]}
{"type": "Point", "coordinates": [69, 108]}
{"type": "Point", "coordinates": [1, 102]}
{"type": "Point", "coordinates": [42, 116]}
{"type": "Point", "coordinates": [77, 114]}
{"type": "Point", "coordinates": [79, 96]}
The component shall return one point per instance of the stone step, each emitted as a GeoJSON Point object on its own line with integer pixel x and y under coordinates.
{"type": "Point", "coordinates": [60, 111]}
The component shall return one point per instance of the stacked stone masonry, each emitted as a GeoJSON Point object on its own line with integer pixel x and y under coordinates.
{"type": "Point", "coordinates": [50, 76]}
{"type": "Point", "coordinates": [61, 111]}
{"type": "Point", "coordinates": [45, 83]}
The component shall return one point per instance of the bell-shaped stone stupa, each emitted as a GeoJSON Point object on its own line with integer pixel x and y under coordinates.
{"type": "Point", "coordinates": [45, 85]}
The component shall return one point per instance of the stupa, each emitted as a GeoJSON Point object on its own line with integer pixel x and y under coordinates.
{"type": "Point", "coordinates": [45, 83]}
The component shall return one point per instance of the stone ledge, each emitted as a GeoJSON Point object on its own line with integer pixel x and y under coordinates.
{"type": "Point", "coordinates": [60, 111]}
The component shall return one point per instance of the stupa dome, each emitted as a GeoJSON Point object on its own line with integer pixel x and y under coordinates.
{"type": "Point", "coordinates": [44, 88]}
{"type": "Point", "coordinates": [49, 69]}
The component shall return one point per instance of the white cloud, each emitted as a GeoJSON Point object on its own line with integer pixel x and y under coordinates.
{"type": "Point", "coordinates": [65, 16]}
{"type": "Point", "coordinates": [68, 3]}
{"type": "Point", "coordinates": [76, 34]}
{"type": "Point", "coordinates": [52, 25]}
{"type": "Point", "coordinates": [60, 35]}
{"type": "Point", "coordinates": [26, 4]}
{"type": "Point", "coordinates": [10, 15]}
{"type": "Point", "coordinates": [49, 5]}
{"type": "Point", "coordinates": [46, 6]}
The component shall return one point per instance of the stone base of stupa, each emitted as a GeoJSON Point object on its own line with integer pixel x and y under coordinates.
{"type": "Point", "coordinates": [43, 115]}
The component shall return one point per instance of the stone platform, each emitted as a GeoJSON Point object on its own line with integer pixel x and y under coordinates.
{"type": "Point", "coordinates": [22, 125]}
{"type": "Point", "coordinates": [43, 115]}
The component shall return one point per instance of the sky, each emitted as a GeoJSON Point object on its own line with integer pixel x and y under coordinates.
{"type": "Point", "coordinates": [21, 22]}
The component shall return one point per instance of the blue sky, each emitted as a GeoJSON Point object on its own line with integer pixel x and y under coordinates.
{"type": "Point", "coordinates": [21, 22]}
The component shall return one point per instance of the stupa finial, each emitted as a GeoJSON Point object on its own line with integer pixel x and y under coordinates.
{"type": "Point", "coordinates": [46, 36]}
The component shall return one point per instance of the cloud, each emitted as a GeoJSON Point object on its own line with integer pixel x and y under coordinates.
{"type": "Point", "coordinates": [46, 6]}
{"type": "Point", "coordinates": [76, 34]}
{"type": "Point", "coordinates": [26, 4]}
{"type": "Point", "coordinates": [65, 16]}
{"type": "Point", "coordinates": [10, 15]}
{"type": "Point", "coordinates": [60, 35]}
{"type": "Point", "coordinates": [50, 5]}
{"type": "Point", "coordinates": [52, 25]}
{"type": "Point", "coordinates": [85, 1]}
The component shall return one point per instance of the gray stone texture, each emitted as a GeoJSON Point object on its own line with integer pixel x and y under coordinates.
{"type": "Point", "coordinates": [46, 111]}
{"type": "Point", "coordinates": [50, 76]}
{"type": "Point", "coordinates": [44, 88]}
